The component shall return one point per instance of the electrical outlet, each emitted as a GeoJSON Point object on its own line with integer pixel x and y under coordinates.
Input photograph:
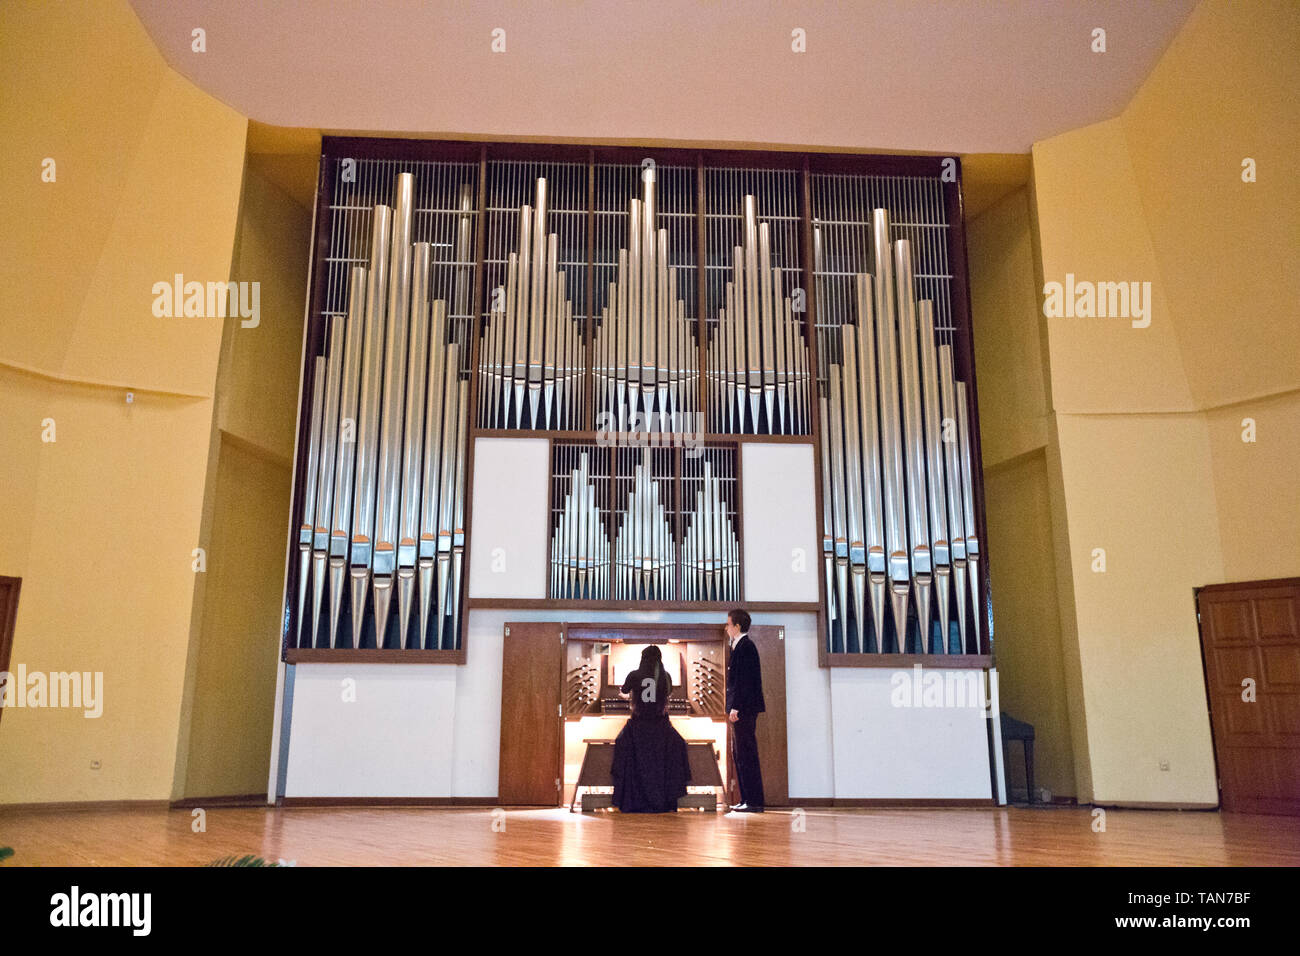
{"type": "Point", "coordinates": [1164, 764]}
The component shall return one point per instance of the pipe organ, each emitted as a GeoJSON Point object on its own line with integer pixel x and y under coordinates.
{"type": "Point", "coordinates": [900, 544]}
{"type": "Point", "coordinates": [383, 514]}
{"type": "Point", "coordinates": [649, 321]}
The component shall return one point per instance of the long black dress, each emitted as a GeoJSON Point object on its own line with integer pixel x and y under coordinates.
{"type": "Point", "coordinates": [650, 763]}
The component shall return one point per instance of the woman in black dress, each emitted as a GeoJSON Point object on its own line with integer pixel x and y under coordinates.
{"type": "Point", "coordinates": [650, 764]}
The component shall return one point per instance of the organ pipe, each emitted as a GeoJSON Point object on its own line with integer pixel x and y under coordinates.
{"type": "Point", "coordinates": [918, 528]}
{"type": "Point", "coordinates": [956, 487]}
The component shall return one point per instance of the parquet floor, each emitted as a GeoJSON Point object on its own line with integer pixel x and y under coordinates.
{"type": "Point", "coordinates": [419, 836]}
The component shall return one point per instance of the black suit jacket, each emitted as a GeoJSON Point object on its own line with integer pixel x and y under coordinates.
{"type": "Point", "coordinates": [745, 679]}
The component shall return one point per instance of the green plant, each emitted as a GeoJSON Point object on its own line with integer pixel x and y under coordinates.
{"type": "Point", "coordinates": [242, 861]}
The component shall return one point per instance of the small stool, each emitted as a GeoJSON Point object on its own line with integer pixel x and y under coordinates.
{"type": "Point", "coordinates": [1013, 729]}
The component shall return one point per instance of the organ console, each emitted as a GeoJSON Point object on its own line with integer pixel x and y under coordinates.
{"type": "Point", "coordinates": [594, 712]}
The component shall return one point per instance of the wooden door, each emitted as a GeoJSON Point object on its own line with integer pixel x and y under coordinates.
{"type": "Point", "coordinates": [8, 615]}
{"type": "Point", "coordinates": [1250, 643]}
{"type": "Point", "coordinates": [769, 639]}
{"type": "Point", "coordinates": [532, 730]}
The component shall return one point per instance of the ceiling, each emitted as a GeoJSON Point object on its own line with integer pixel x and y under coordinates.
{"type": "Point", "coordinates": [948, 76]}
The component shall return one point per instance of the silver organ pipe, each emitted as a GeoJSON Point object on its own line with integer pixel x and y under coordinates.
{"type": "Point", "coordinates": [918, 527]}
{"type": "Point", "coordinates": [833, 610]}
{"type": "Point", "coordinates": [757, 357]}
{"type": "Point", "coordinates": [430, 478]}
{"type": "Point", "coordinates": [956, 495]}
{"type": "Point", "coordinates": [891, 436]}
{"type": "Point", "coordinates": [324, 482]}
{"type": "Point", "coordinates": [898, 506]}
{"type": "Point", "coordinates": [412, 451]}
{"type": "Point", "coordinates": [863, 352]}
{"type": "Point", "coordinates": [387, 511]}
{"type": "Point", "coordinates": [838, 495]}
{"type": "Point", "coordinates": [363, 508]}
{"type": "Point", "coordinates": [385, 473]}
{"type": "Point", "coordinates": [968, 509]}
{"type": "Point", "coordinates": [309, 495]}
{"type": "Point", "coordinates": [345, 457]}
{"type": "Point", "coordinates": [857, 551]}
{"type": "Point", "coordinates": [458, 514]}
{"type": "Point", "coordinates": [446, 502]}
{"type": "Point", "coordinates": [940, 553]}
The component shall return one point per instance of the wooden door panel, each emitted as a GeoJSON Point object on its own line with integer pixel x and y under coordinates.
{"type": "Point", "coordinates": [1244, 723]}
{"type": "Point", "coordinates": [1277, 618]}
{"type": "Point", "coordinates": [1231, 622]}
{"type": "Point", "coordinates": [1281, 667]}
{"type": "Point", "coordinates": [9, 588]}
{"type": "Point", "coordinates": [1251, 631]}
{"type": "Point", "coordinates": [771, 729]}
{"type": "Point", "coordinates": [532, 666]}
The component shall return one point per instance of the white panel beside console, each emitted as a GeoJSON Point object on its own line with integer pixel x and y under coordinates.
{"type": "Point", "coordinates": [807, 708]}
{"type": "Point", "coordinates": [782, 547]}
{"type": "Point", "coordinates": [509, 525]}
{"type": "Point", "coordinates": [394, 740]}
{"type": "Point", "coordinates": [885, 751]}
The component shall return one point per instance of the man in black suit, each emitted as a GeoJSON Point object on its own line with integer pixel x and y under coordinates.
{"type": "Point", "coordinates": [744, 704]}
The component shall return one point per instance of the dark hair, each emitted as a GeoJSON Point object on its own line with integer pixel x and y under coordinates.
{"type": "Point", "coordinates": [652, 659]}
{"type": "Point", "coordinates": [739, 618]}
{"type": "Point", "coordinates": [651, 656]}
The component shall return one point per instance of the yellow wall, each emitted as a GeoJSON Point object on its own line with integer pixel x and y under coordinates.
{"type": "Point", "coordinates": [100, 523]}
{"type": "Point", "coordinates": [1152, 466]}
{"type": "Point", "coordinates": [1010, 365]}
{"type": "Point", "coordinates": [225, 738]}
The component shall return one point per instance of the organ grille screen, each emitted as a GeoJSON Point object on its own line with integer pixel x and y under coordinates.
{"type": "Point", "coordinates": [635, 312]}
{"type": "Point", "coordinates": [644, 524]}
{"type": "Point", "coordinates": [899, 539]}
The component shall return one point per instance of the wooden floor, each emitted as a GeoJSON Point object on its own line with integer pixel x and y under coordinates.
{"type": "Point", "coordinates": [401, 836]}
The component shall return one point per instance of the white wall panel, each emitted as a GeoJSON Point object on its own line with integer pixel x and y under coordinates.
{"type": "Point", "coordinates": [809, 754]}
{"type": "Point", "coordinates": [782, 547]}
{"type": "Point", "coordinates": [507, 547]}
{"type": "Point", "coordinates": [912, 752]}
{"type": "Point", "coordinates": [394, 740]}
